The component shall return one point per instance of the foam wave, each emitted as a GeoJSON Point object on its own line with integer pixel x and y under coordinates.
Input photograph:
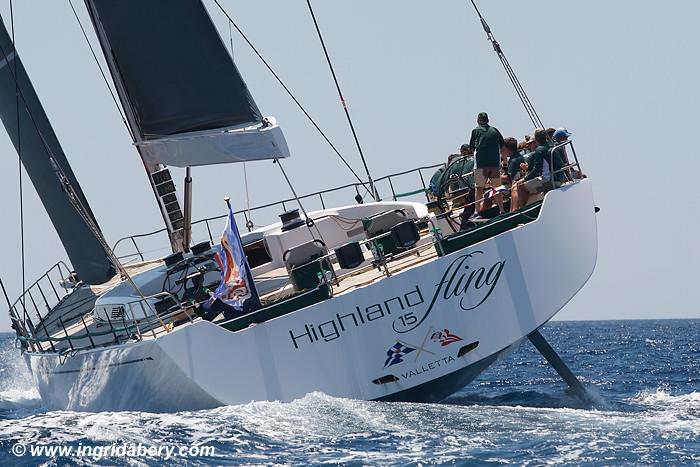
{"type": "Point", "coordinates": [319, 428]}
{"type": "Point", "coordinates": [16, 399]}
{"type": "Point", "coordinates": [663, 395]}
{"type": "Point", "coordinates": [661, 398]}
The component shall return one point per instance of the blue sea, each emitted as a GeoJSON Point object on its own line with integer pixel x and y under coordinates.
{"type": "Point", "coordinates": [644, 375]}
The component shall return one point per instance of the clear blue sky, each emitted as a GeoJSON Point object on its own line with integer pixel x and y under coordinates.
{"type": "Point", "coordinates": [622, 76]}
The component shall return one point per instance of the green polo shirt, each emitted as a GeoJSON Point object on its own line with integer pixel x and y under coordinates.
{"type": "Point", "coordinates": [537, 161]}
{"type": "Point", "coordinates": [436, 180]}
{"type": "Point", "coordinates": [558, 162]}
{"type": "Point", "coordinates": [486, 141]}
{"type": "Point", "coordinates": [514, 164]}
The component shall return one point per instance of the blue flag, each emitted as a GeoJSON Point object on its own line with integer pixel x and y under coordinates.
{"type": "Point", "coordinates": [237, 287]}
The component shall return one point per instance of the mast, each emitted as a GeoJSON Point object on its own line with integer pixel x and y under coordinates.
{"type": "Point", "coordinates": [184, 99]}
{"type": "Point", "coordinates": [49, 170]}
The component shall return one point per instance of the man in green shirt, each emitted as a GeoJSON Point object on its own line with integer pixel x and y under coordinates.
{"type": "Point", "coordinates": [514, 158]}
{"type": "Point", "coordinates": [538, 172]}
{"type": "Point", "coordinates": [485, 142]}
{"type": "Point", "coordinates": [457, 171]}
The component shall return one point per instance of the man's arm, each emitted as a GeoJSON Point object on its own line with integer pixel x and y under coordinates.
{"type": "Point", "coordinates": [472, 140]}
{"type": "Point", "coordinates": [513, 167]}
{"type": "Point", "coordinates": [535, 166]}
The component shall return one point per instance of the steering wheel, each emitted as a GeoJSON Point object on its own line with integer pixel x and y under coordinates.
{"type": "Point", "coordinates": [454, 175]}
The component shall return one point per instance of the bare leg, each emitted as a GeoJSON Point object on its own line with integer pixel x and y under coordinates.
{"type": "Point", "coordinates": [499, 201]}
{"type": "Point", "coordinates": [523, 196]}
{"type": "Point", "coordinates": [479, 194]}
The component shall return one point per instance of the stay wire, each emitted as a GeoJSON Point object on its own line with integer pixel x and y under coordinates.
{"type": "Point", "coordinates": [99, 66]}
{"type": "Point", "coordinates": [309, 222]}
{"type": "Point", "coordinates": [519, 89]}
{"type": "Point", "coordinates": [249, 222]}
{"type": "Point", "coordinates": [19, 157]}
{"type": "Point", "coordinates": [374, 192]}
{"type": "Point", "coordinates": [291, 95]}
{"type": "Point", "coordinates": [73, 198]}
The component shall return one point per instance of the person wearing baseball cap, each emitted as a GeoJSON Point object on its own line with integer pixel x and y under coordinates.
{"type": "Point", "coordinates": [561, 134]}
{"type": "Point", "coordinates": [486, 142]}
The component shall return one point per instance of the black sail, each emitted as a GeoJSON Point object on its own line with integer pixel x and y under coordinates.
{"type": "Point", "coordinates": [176, 74]}
{"type": "Point", "coordinates": [41, 154]}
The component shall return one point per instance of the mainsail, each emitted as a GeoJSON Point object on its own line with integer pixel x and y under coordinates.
{"type": "Point", "coordinates": [43, 158]}
{"type": "Point", "coordinates": [184, 98]}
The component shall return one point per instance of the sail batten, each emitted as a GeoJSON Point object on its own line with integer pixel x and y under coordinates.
{"type": "Point", "coordinates": [175, 76]}
{"type": "Point", "coordinates": [42, 156]}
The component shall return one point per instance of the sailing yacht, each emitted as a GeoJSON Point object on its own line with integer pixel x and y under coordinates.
{"type": "Point", "coordinates": [383, 300]}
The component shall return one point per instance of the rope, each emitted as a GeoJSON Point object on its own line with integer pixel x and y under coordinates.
{"type": "Point", "coordinates": [249, 222]}
{"type": "Point", "coordinates": [99, 66]}
{"type": "Point", "coordinates": [291, 95]}
{"type": "Point", "coordinates": [296, 197]}
{"type": "Point", "coordinates": [529, 107]}
{"type": "Point", "coordinates": [374, 192]}
{"type": "Point", "coordinates": [75, 201]}
{"type": "Point", "coordinates": [19, 156]}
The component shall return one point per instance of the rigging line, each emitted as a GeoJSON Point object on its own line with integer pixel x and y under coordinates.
{"type": "Point", "coordinates": [249, 222]}
{"type": "Point", "coordinates": [521, 92]}
{"type": "Point", "coordinates": [74, 199]}
{"type": "Point", "coordinates": [291, 95]}
{"type": "Point", "coordinates": [19, 157]}
{"type": "Point", "coordinates": [519, 89]}
{"type": "Point", "coordinates": [78, 206]}
{"type": "Point", "coordinates": [523, 99]}
{"type": "Point", "coordinates": [294, 192]}
{"type": "Point", "coordinates": [374, 192]}
{"type": "Point", "coordinates": [99, 66]}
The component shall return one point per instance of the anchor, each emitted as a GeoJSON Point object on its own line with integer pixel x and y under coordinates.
{"type": "Point", "coordinates": [555, 360]}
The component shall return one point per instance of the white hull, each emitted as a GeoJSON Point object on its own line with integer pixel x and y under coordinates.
{"type": "Point", "coordinates": [339, 346]}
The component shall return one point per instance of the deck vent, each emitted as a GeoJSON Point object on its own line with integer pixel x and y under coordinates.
{"type": "Point", "coordinates": [117, 312]}
{"type": "Point", "coordinates": [467, 348]}
{"type": "Point", "coordinates": [385, 379]}
{"type": "Point", "coordinates": [291, 220]}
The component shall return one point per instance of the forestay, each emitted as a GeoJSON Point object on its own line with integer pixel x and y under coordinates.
{"type": "Point", "coordinates": [185, 100]}
{"type": "Point", "coordinates": [45, 163]}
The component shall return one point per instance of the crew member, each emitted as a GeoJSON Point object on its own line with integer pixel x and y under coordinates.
{"type": "Point", "coordinates": [485, 142]}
